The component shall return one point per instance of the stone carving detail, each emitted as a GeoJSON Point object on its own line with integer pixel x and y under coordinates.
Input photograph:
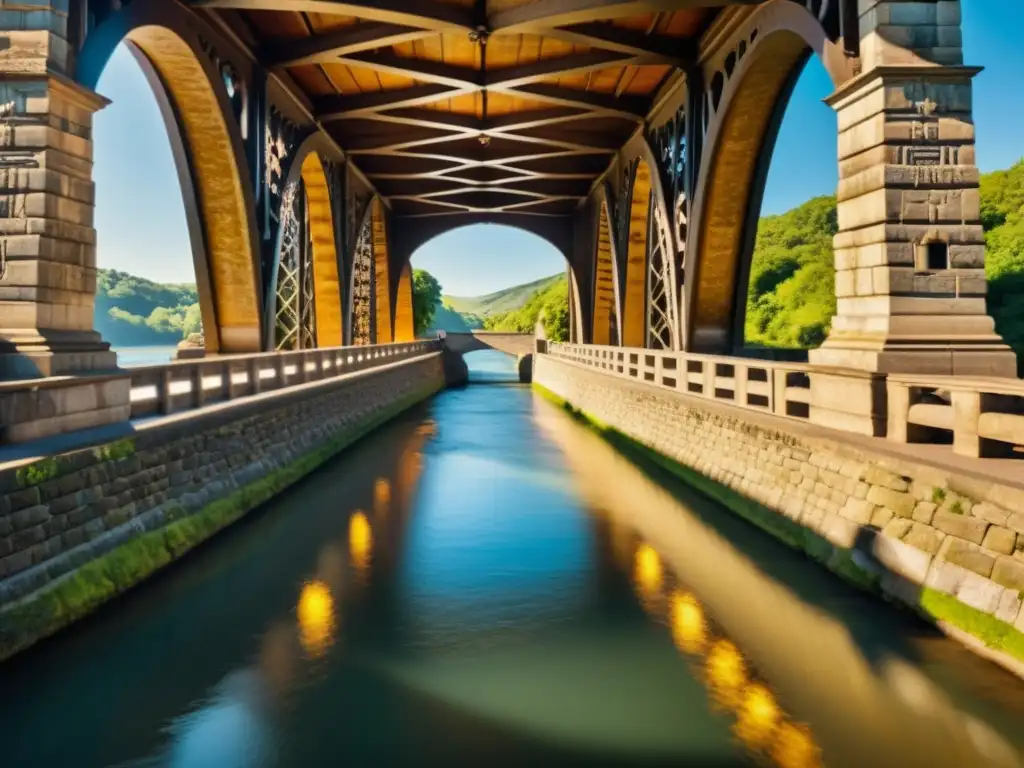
{"type": "Point", "coordinates": [295, 316]}
{"type": "Point", "coordinates": [363, 292]}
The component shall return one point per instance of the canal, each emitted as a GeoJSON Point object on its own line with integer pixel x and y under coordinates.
{"type": "Point", "coordinates": [485, 581]}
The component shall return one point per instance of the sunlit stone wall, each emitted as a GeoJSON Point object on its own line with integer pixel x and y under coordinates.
{"type": "Point", "coordinates": [909, 526]}
{"type": "Point", "coordinates": [183, 477]}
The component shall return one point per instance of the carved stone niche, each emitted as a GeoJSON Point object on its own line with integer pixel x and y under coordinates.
{"type": "Point", "coordinates": [931, 253]}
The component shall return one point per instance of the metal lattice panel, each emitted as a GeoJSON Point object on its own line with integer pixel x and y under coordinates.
{"type": "Point", "coordinates": [660, 307]}
{"type": "Point", "coordinates": [295, 316]}
{"type": "Point", "coordinates": [362, 286]}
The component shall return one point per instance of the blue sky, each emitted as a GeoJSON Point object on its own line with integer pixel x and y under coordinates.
{"type": "Point", "coordinates": [140, 217]}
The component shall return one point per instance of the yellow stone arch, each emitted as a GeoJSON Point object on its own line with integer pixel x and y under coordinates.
{"type": "Point", "coordinates": [326, 281]}
{"type": "Point", "coordinates": [379, 235]}
{"type": "Point", "coordinates": [634, 312]}
{"type": "Point", "coordinates": [225, 260]}
{"type": "Point", "coordinates": [405, 323]}
{"type": "Point", "coordinates": [605, 298]}
{"type": "Point", "coordinates": [737, 151]}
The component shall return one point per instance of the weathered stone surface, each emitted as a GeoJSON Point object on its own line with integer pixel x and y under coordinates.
{"type": "Point", "coordinates": [1009, 606]}
{"type": "Point", "coordinates": [858, 510]}
{"type": "Point", "coordinates": [980, 593]}
{"type": "Point", "coordinates": [968, 528]}
{"type": "Point", "coordinates": [897, 528]}
{"type": "Point", "coordinates": [925, 538]}
{"type": "Point", "coordinates": [901, 504]}
{"type": "Point", "coordinates": [1001, 540]}
{"type": "Point", "coordinates": [991, 513]}
{"type": "Point", "coordinates": [886, 479]}
{"type": "Point", "coordinates": [1009, 571]}
{"type": "Point", "coordinates": [970, 556]}
{"type": "Point", "coordinates": [924, 511]}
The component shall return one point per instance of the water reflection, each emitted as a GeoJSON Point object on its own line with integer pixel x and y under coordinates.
{"type": "Point", "coordinates": [316, 618]}
{"type": "Point", "coordinates": [802, 670]}
{"type": "Point", "coordinates": [360, 542]}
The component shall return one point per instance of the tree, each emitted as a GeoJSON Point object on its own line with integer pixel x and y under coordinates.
{"type": "Point", "coordinates": [193, 322]}
{"type": "Point", "coordinates": [426, 295]}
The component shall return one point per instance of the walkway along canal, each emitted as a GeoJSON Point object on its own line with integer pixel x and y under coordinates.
{"type": "Point", "coordinates": [483, 580]}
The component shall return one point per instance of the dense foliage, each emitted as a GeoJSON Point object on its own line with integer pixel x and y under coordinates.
{"type": "Point", "coordinates": [792, 277]}
{"type": "Point", "coordinates": [426, 296]}
{"type": "Point", "coordinates": [505, 300]}
{"type": "Point", "coordinates": [133, 311]}
{"type": "Point", "coordinates": [1002, 215]}
{"type": "Point", "coordinates": [552, 301]}
{"type": "Point", "coordinates": [791, 299]}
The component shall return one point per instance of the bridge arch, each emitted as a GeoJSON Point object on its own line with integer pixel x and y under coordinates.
{"type": "Point", "coordinates": [648, 287]}
{"type": "Point", "coordinates": [306, 282]}
{"type": "Point", "coordinates": [606, 328]}
{"type": "Point", "coordinates": [210, 160]}
{"type": "Point", "coordinates": [748, 93]}
{"type": "Point", "coordinates": [371, 287]}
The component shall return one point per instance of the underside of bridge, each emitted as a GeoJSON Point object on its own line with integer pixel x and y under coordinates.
{"type": "Point", "coordinates": [319, 143]}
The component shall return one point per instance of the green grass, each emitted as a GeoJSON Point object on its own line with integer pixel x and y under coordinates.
{"type": "Point", "coordinates": [933, 606]}
{"type": "Point", "coordinates": [82, 591]}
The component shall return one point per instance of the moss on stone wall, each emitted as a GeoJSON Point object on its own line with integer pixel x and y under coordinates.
{"type": "Point", "coordinates": [80, 592]}
{"type": "Point", "coordinates": [932, 605]}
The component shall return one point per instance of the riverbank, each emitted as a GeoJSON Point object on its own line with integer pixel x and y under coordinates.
{"type": "Point", "coordinates": [872, 557]}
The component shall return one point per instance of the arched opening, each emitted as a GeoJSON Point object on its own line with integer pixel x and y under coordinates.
{"type": "Point", "coordinates": [648, 316]}
{"type": "Point", "coordinates": [606, 316]}
{"type": "Point", "coordinates": [740, 139]}
{"type": "Point", "coordinates": [371, 298]}
{"type": "Point", "coordinates": [307, 288]}
{"type": "Point", "coordinates": [208, 161]}
{"type": "Point", "coordinates": [493, 278]}
{"type": "Point", "coordinates": [789, 283]}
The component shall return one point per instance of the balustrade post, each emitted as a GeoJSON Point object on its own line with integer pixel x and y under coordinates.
{"type": "Point", "coordinates": [254, 375]}
{"type": "Point", "coordinates": [198, 394]}
{"type": "Point", "coordinates": [279, 370]}
{"type": "Point", "coordinates": [739, 385]}
{"type": "Point", "coordinates": [225, 381]}
{"type": "Point", "coordinates": [966, 413]}
{"type": "Point", "coordinates": [779, 385]}
{"type": "Point", "coordinates": [897, 423]}
{"type": "Point", "coordinates": [708, 379]}
{"type": "Point", "coordinates": [164, 391]}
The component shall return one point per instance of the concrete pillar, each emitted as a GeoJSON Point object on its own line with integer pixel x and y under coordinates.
{"type": "Point", "coordinates": [910, 253]}
{"type": "Point", "coordinates": [48, 249]}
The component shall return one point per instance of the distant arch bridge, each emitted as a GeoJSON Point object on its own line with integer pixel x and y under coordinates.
{"type": "Point", "coordinates": [520, 345]}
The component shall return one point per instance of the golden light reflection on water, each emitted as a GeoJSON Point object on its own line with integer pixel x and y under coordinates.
{"type": "Point", "coordinates": [360, 541]}
{"type": "Point", "coordinates": [648, 572]}
{"type": "Point", "coordinates": [381, 496]}
{"type": "Point", "coordinates": [689, 631]}
{"type": "Point", "coordinates": [316, 618]}
{"type": "Point", "coordinates": [761, 724]}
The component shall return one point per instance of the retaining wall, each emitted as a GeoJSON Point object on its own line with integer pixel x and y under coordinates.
{"type": "Point", "coordinates": [79, 527]}
{"type": "Point", "coordinates": [950, 544]}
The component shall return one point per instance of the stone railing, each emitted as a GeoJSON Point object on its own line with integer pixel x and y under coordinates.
{"type": "Point", "coordinates": [770, 387]}
{"type": "Point", "coordinates": [980, 416]}
{"type": "Point", "coordinates": [186, 384]}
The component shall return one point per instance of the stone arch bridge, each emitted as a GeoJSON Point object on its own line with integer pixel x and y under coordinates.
{"type": "Point", "coordinates": [519, 345]}
{"type": "Point", "coordinates": [319, 143]}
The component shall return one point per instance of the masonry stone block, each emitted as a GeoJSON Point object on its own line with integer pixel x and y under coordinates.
{"type": "Point", "coordinates": [980, 593]}
{"type": "Point", "coordinates": [1001, 540]}
{"type": "Point", "coordinates": [1009, 571]}
{"type": "Point", "coordinates": [964, 527]}
{"type": "Point", "coordinates": [973, 557]}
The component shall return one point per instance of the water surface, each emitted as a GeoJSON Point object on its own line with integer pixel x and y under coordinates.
{"type": "Point", "coordinates": [484, 581]}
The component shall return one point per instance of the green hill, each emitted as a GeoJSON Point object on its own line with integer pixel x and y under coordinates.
{"type": "Point", "coordinates": [447, 319]}
{"type": "Point", "coordinates": [500, 301]}
{"type": "Point", "coordinates": [132, 311]}
{"type": "Point", "coordinates": [551, 299]}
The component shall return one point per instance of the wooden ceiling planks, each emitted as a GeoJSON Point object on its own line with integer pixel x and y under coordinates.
{"type": "Point", "coordinates": [520, 121]}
